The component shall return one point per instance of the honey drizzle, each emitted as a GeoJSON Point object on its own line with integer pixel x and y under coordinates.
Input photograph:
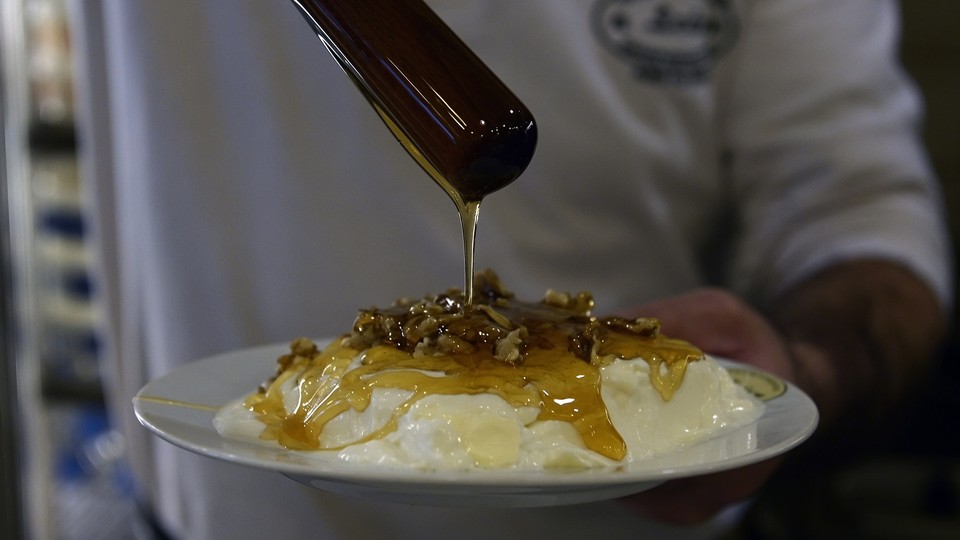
{"type": "Point", "coordinates": [551, 376]}
{"type": "Point", "coordinates": [454, 117]}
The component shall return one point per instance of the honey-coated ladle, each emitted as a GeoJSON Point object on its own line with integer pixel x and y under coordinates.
{"type": "Point", "coordinates": [453, 115]}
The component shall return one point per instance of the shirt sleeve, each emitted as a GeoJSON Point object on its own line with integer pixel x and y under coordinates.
{"type": "Point", "coordinates": [826, 163]}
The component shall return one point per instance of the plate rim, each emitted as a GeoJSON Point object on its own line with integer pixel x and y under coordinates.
{"type": "Point", "coordinates": [146, 403]}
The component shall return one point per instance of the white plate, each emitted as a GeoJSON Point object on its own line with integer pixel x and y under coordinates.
{"type": "Point", "coordinates": [179, 407]}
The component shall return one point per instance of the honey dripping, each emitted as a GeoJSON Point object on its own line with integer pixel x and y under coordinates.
{"type": "Point", "coordinates": [464, 127]}
{"type": "Point", "coordinates": [472, 136]}
{"type": "Point", "coordinates": [546, 355]}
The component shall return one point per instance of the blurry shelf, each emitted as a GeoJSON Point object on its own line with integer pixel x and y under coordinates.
{"type": "Point", "coordinates": [60, 390]}
{"type": "Point", "coordinates": [52, 137]}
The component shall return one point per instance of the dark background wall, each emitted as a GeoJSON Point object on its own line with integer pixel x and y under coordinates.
{"type": "Point", "coordinates": [931, 53]}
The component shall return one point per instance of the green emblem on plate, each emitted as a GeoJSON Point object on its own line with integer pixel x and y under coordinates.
{"type": "Point", "coordinates": [762, 385]}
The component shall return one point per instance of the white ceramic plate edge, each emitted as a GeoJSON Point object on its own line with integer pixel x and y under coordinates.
{"type": "Point", "coordinates": [179, 407]}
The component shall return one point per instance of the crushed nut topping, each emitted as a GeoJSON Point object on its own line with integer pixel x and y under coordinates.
{"type": "Point", "coordinates": [442, 324]}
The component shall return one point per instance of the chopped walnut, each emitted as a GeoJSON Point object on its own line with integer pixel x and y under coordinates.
{"type": "Point", "coordinates": [303, 348]}
{"type": "Point", "coordinates": [488, 285]}
{"type": "Point", "coordinates": [495, 317]}
{"type": "Point", "coordinates": [580, 304]}
{"type": "Point", "coordinates": [442, 324]}
{"type": "Point", "coordinates": [450, 344]}
{"type": "Point", "coordinates": [584, 341]}
{"type": "Point", "coordinates": [641, 326]}
{"type": "Point", "coordinates": [508, 348]}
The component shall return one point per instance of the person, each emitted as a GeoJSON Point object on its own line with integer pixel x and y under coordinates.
{"type": "Point", "coordinates": [747, 171]}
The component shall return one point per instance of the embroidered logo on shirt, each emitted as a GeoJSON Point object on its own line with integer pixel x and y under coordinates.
{"type": "Point", "coordinates": [667, 41]}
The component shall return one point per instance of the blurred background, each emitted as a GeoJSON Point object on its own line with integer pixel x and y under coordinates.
{"type": "Point", "coordinates": [62, 474]}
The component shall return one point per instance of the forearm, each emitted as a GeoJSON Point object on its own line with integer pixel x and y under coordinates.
{"type": "Point", "coordinates": [862, 334]}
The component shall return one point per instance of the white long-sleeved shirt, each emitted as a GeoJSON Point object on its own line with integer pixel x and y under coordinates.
{"type": "Point", "coordinates": [245, 193]}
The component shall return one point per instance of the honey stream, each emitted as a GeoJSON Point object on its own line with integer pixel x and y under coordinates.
{"type": "Point", "coordinates": [450, 112]}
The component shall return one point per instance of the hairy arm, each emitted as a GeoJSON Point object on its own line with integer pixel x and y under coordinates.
{"type": "Point", "coordinates": [861, 335]}
{"type": "Point", "coordinates": [858, 337]}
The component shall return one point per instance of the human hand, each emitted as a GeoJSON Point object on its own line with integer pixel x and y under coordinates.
{"type": "Point", "coordinates": [858, 337]}
{"type": "Point", "coordinates": [723, 325]}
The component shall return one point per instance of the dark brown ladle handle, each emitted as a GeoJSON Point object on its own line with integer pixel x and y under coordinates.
{"type": "Point", "coordinates": [466, 124]}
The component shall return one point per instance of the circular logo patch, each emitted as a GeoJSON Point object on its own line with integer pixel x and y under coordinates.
{"type": "Point", "coordinates": [669, 41]}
